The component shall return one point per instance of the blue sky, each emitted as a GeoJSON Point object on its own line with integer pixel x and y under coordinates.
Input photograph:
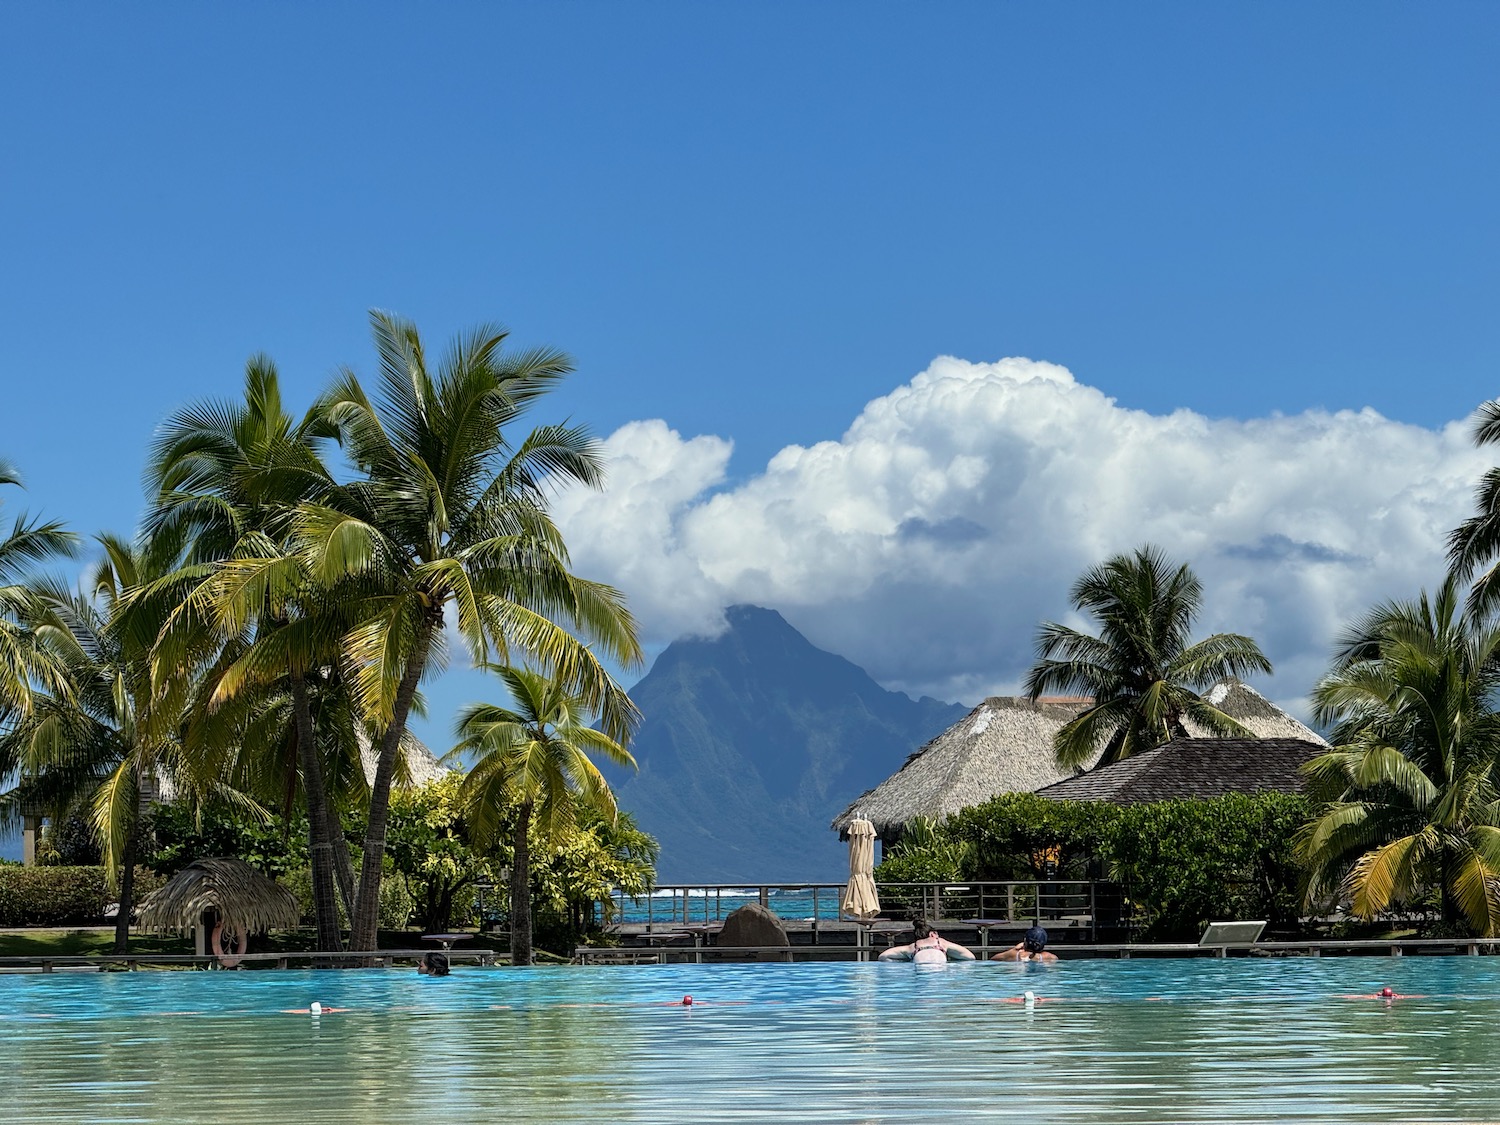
{"type": "Point", "coordinates": [753, 221]}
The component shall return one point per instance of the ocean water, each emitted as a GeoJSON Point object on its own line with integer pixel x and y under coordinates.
{"type": "Point", "coordinates": [1105, 1041]}
{"type": "Point", "coordinates": [712, 905]}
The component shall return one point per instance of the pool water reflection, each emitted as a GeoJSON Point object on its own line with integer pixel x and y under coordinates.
{"type": "Point", "coordinates": [1131, 1041]}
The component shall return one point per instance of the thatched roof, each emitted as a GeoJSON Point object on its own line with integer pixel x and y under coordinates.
{"type": "Point", "coordinates": [246, 900]}
{"type": "Point", "coordinates": [416, 767]}
{"type": "Point", "coordinates": [1253, 710]}
{"type": "Point", "coordinates": [1002, 746]}
{"type": "Point", "coordinates": [1005, 746]}
{"type": "Point", "coordinates": [1194, 767]}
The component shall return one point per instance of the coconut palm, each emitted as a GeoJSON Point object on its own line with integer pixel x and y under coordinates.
{"type": "Point", "coordinates": [1474, 546]}
{"type": "Point", "coordinates": [108, 732]}
{"type": "Point", "coordinates": [451, 511]}
{"type": "Point", "coordinates": [534, 756]}
{"type": "Point", "coordinates": [229, 475]}
{"type": "Point", "coordinates": [1411, 780]}
{"type": "Point", "coordinates": [27, 544]}
{"type": "Point", "coordinates": [1142, 670]}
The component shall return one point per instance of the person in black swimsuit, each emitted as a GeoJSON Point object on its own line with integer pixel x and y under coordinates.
{"type": "Point", "coordinates": [1032, 947]}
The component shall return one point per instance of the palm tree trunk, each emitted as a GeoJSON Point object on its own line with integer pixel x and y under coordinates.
{"type": "Point", "coordinates": [343, 865]}
{"type": "Point", "coordinates": [319, 842]}
{"type": "Point", "coordinates": [127, 886]}
{"type": "Point", "coordinates": [520, 890]}
{"type": "Point", "coordinates": [364, 929]}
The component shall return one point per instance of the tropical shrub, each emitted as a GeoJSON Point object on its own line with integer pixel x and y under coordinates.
{"type": "Point", "coordinates": [1187, 863]}
{"type": "Point", "coordinates": [433, 858]}
{"type": "Point", "coordinates": [1181, 863]}
{"type": "Point", "coordinates": [1023, 836]}
{"type": "Point", "coordinates": [59, 896]}
{"type": "Point", "coordinates": [276, 847]}
{"type": "Point", "coordinates": [427, 845]}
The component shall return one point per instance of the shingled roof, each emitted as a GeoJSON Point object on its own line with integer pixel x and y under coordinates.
{"type": "Point", "coordinates": [1193, 767]}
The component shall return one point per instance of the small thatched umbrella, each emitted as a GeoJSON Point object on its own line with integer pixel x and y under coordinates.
{"type": "Point", "coordinates": [860, 897]}
{"type": "Point", "coordinates": [244, 899]}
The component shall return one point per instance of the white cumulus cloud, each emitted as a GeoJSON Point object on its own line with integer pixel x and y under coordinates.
{"type": "Point", "coordinates": [928, 541]}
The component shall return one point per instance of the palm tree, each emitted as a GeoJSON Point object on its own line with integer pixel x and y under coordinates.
{"type": "Point", "coordinates": [109, 729]}
{"type": "Point", "coordinates": [1475, 544]}
{"type": "Point", "coordinates": [451, 512]}
{"type": "Point", "coordinates": [27, 544]}
{"type": "Point", "coordinates": [1411, 780]}
{"type": "Point", "coordinates": [229, 476]}
{"type": "Point", "coordinates": [535, 756]}
{"type": "Point", "coordinates": [1142, 668]}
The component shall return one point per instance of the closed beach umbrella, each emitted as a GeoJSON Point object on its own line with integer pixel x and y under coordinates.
{"type": "Point", "coordinates": [860, 897]}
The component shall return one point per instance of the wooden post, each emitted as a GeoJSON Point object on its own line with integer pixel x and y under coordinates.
{"type": "Point", "coordinates": [31, 827]}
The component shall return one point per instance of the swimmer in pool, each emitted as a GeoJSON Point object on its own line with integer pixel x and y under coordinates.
{"type": "Point", "coordinates": [1031, 947]}
{"type": "Point", "coordinates": [929, 948]}
{"type": "Point", "coordinates": [433, 965]}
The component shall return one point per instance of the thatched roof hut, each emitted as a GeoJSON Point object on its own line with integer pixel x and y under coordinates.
{"type": "Point", "coordinates": [1002, 746]}
{"type": "Point", "coordinates": [1005, 746]}
{"type": "Point", "coordinates": [246, 900]}
{"type": "Point", "coordinates": [1254, 711]}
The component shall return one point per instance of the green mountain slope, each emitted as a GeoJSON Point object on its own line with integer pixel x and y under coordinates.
{"type": "Point", "coordinates": [752, 742]}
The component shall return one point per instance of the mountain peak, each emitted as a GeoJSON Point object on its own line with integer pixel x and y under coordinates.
{"type": "Point", "coordinates": [752, 741]}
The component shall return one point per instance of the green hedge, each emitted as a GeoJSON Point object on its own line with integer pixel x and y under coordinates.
{"type": "Point", "coordinates": [1181, 863]}
{"type": "Point", "coordinates": [47, 896]}
{"type": "Point", "coordinates": [1192, 862]}
{"type": "Point", "coordinates": [61, 896]}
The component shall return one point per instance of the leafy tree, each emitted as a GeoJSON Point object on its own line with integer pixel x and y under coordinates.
{"type": "Point", "coordinates": [1411, 778]}
{"type": "Point", "coordinates": [1143, 668]}
{"type": "Point", "coordinates": [429, 848]}
{"type": "Point", "coordinates": [450, 511]}
{"type": "Point", "coordinates": [183, 832]}
{"type": "Point", "coordinates": [536, 756]}
{"type": "Point", "coordinates": [574, 882]}
{"type": "Point", "coordinates": [433, 852]}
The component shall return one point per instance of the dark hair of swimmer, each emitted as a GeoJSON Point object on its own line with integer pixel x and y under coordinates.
{"type": "Point", "coordinates": [1035, 940]}
{"type": "Point", "coordinates": [922, 928]}
{"type": "Point", "coordinates": [433, 965]}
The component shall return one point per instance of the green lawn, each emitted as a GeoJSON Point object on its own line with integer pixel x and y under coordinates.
{"type": "Point", "coordinates": [75, 943]}
{"type": "Point", "coordinates": [82, 943]}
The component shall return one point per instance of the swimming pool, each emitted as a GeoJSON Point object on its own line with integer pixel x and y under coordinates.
{"type": "Point", "coordinates": [1128, 1041]}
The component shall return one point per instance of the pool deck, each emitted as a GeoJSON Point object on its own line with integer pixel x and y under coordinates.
{"type": "Point", "coordinates": [828, 940]}
{"type": "Point", "coordinates": [698, 943]}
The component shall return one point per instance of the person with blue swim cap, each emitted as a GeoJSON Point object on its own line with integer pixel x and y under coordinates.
{"type": "Point", "coordinates": [1031, 947]}
{"type": "Point", "coordinates": [929, 948]}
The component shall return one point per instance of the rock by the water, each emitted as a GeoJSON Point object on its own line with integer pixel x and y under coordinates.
{"type": "Point", "coordinates": [753, 924]}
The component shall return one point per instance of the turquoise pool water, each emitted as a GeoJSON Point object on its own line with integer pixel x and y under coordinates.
{"type": "Point", "coordinates": [1108, 1041]}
